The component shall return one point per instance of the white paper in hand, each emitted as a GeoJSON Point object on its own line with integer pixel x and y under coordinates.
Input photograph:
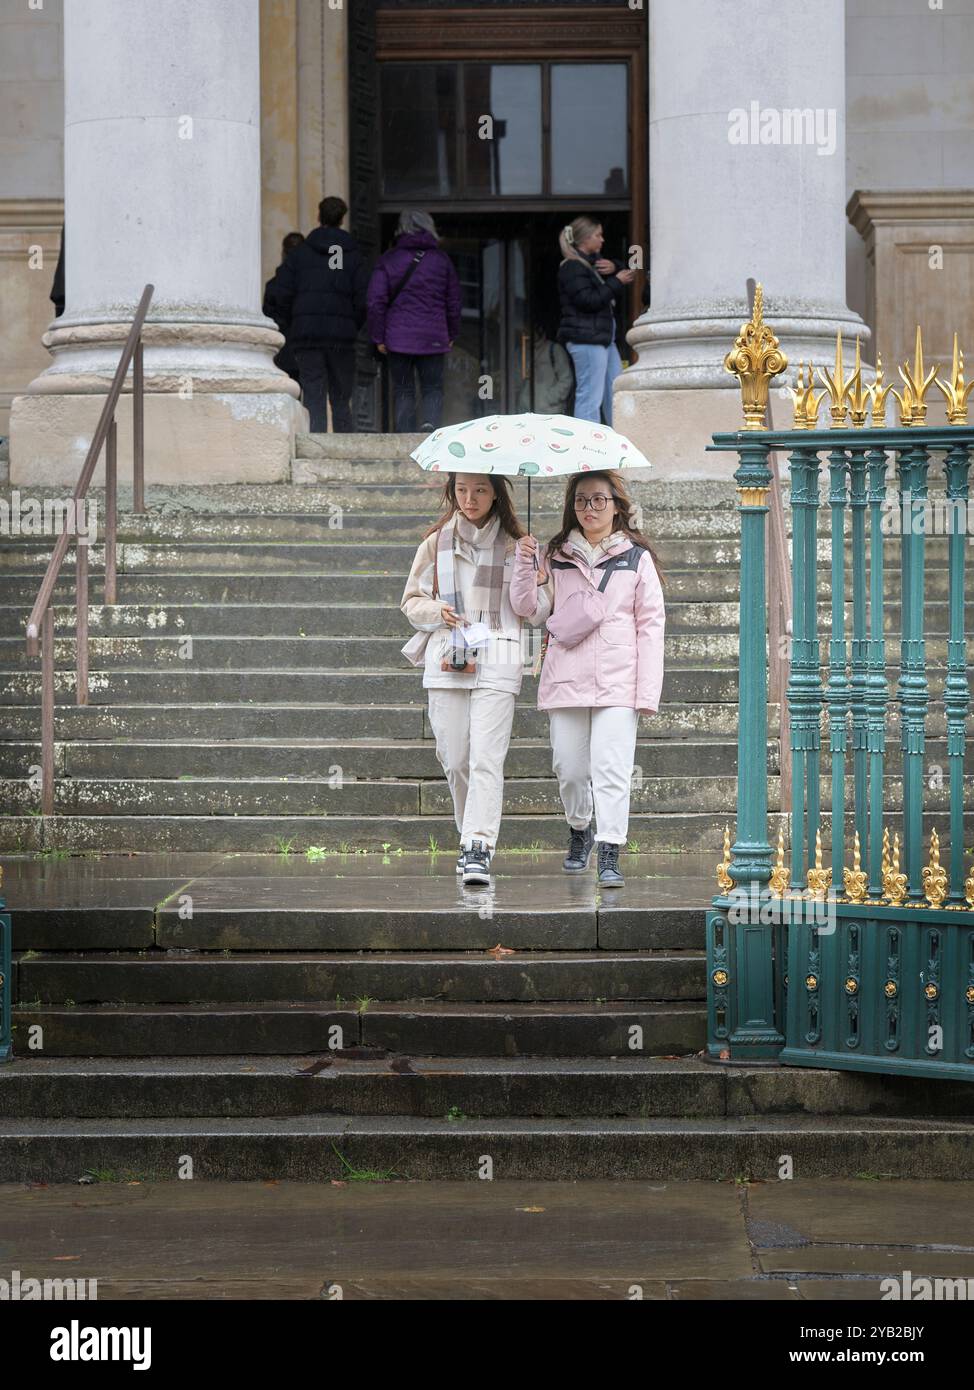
{"type": "Point", "coordinates": [475, 634]}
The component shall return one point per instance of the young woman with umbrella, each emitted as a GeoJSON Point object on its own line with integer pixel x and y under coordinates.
{"type": "Point", "coordinates": [603, 662]}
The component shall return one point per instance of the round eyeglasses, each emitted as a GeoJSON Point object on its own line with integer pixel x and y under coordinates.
{"type": "Point", "coordinates": [598, 502]}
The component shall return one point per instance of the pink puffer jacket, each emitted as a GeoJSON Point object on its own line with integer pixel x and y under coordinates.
{"type": "Point", "coordinates": [621, 662]}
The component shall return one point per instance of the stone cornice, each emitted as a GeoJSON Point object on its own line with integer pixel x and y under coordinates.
{"type": "Point", "coordinates": [868, 208]}
{"type": "Point", "coordinates": [31, 212]}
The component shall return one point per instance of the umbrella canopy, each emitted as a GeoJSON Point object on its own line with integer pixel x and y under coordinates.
{"type": "Point", "coordinates": [527, 446]}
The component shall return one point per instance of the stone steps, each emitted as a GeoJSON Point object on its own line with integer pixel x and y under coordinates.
{"type": "Point", "coordinates": [583, 1087]}
{"type": "Point", "coordinates": [349, 550]}
{"type": "Point", "coordinates": [324, 1148]}
{"type": "Point", "coordinates": [357, 798]}
{"type": "Point", "coordinates": [375, 618]}
{"type": "Point", "coordinates": [560, 1028]}
{"type": "Point", "coordinates": [317, 758]}
{"type": "Point", "coordinates": [164, 978]}
{"type": "Point", "coordinates": [391, 721]}
{"type": "Point", "coordinates": [351, 686]}
{"type": "Point", "coordinates": [692, 832]}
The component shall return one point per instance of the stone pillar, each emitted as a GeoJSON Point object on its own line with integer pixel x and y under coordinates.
{"type": "Point", "coordinates": [162, 185]}
{"type": "Point", "coordinates": [747, 178]}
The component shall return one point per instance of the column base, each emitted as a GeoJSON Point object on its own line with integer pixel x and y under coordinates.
{"type": "Point", "coordinates": [232, 437]}
{"type": "Point", "coordinates": [673, 428]}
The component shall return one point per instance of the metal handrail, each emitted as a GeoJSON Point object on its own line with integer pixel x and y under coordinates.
{"type": "Point", "coordinates": [779, 608]}
{"type": "Point", "coordinates": [40, 625]}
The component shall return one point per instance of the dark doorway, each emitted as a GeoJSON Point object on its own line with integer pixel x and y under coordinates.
{"type": "Point", "coordinates": [508, 268]}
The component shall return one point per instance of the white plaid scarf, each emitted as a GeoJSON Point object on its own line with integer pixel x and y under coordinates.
{"type": "Point", "coordinates": [486, 547]}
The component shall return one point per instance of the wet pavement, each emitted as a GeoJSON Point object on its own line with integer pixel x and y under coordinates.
{"type": "Point", "coordinates": [522, 881]}
{"type": "Point", "coordinates": [788, 1240]}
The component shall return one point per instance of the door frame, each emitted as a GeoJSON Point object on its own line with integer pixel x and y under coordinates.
{"type": "Point", "coordinates": [556, 32]}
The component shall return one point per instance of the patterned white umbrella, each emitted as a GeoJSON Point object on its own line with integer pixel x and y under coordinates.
{"type": "Point", "coordinates": [527, 446]}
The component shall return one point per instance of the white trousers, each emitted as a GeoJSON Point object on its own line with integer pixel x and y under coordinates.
{"type": "Point", "coordinates": [593, 750]}
{"type": "Point", "coordinates": [472, 730]}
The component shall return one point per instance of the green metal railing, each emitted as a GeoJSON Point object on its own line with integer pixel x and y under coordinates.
{"type": "Point", "coordinates": [843, 964]}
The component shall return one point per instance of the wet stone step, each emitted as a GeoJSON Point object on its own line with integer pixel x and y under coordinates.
{"type": "Point", "coordinates": [391, 1084]}
{"type": "Point", "coordinates": [131, 723]}
{"type": "Point", "coordinates": [690, 833]}
{"type": "Point", "coordinates": [161, 978]}
{"type": "Point", "coordinates": [322, 1148]}
{"type": "Point", "coordinates": [361, 687]}
{"type": "Point", "coordinates": [666, 834]}
{"type": "Point", "coordinates": [318, 759]}
{"type": "Point", "coordinates": [269, 653]}
{"type": "Point", "coordinates": [562, 1029]}
{"type": "Point", "coordinates": [344, 795]}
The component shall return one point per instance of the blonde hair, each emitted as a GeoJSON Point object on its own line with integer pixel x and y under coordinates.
{"type": "Point", "coordinates": [569, 237]}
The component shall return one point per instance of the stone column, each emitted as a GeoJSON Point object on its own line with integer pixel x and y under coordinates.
{"type": "Point", "coordinates": [747, 178]}
{"type": "Point", "coordinates": [162, 185]}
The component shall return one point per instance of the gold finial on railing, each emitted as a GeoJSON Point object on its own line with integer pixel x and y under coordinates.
{"type": "Point", "coordinates": [969, 889]}
{"type": "Point", "coordinates": [887, 862]}
{"type": "Point", "coordinates": [935, 875]}
{"type": "Point", "coordinates": [918, 384]}
{"type": "Point", "coordinates": [819, 879]}
{"type": "Point", "coordinates": [754, 359]}
{"type": "Point", "coordinates": [837, 385]}
{"type": "Point", "coordinates": [878, 393]}
{"type": "Point", "coordinates": [955, 392]}
{"type": "Point", "coordinates": [859, 396]}
{"type": "Point", "coordinates": [896, 883]}
{"type": "Point", "coordinates": [724, 881]}
{"type": "Point", "coordinates": [779, 874]}
{"type": "Point", "coordinates": [806, 401]}
{"type": "Point", "coordinates": [855, 879]}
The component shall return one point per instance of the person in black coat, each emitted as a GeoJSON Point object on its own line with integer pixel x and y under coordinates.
{"type": "Point", "coordinates": [591, 290]}
{"type": "Point", "coordinates": [284, 358]}
{"type": "Point", "coordinates": [320, 294]}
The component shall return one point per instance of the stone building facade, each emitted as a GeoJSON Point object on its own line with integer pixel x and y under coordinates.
{"type": "Point", "coordinates": [179, 141]}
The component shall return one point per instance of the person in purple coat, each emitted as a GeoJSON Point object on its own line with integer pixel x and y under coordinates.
{"type": "Point", "coordinates": [414, 317]}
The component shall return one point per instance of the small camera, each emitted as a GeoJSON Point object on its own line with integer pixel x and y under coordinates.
{"type": "Point", "coordinates": [459, 661]}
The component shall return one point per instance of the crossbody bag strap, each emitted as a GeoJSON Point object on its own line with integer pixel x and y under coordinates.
{"type": "Point", "coordinates": [405, 280]}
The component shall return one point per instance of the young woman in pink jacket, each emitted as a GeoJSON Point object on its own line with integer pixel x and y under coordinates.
{"type": "Point", "coordinates": [605, 667]}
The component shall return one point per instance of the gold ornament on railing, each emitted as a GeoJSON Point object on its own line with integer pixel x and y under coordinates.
{"type": "Point", "coordinates": [955, 392]}
{"type": "Point", "coordinates": [779, 874]}
{"type": "Point", "coordinates": [754, 359]}
{"type": "Point", "coordinates": [918, 383]}
{"type": "Point", "coordinates": [935, 875]}
{"type": "Point", "coordinates": [838, 386]}
{"type": "Point", "coordinates": [878, 393]}
{"type": "Point", "coordinates": [896, 883]}
{"type": "Point", "coordinates": [859, 396]}
{"type": "Point", "coordinates": [806, 401]}
{"type": "Point", "coordinates": [855, 879]}
{"type": "Point", "coordinates": [724, 881]}
{"type": "Point", "coordinates": [969, 889]}
{"type": "Point", "coordinates": [819, 879]}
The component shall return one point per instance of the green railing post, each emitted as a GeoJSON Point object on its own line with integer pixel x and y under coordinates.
{"type": "Point", "coordinates": [956, 692]}
{"type": "Point", "coordinates": [804, 679]}
{"type": "Point", "coordinates": [859, 655]}
{"type": "Point", "coordinates": [837, 693]}
{"type": "Point", "coordinates": [755, 1032]}
{"type": "Point", "coordinates": [877, 690]}
{"type": "Point", "coordinates": [912, 689]}
{"type": "Point", "coordinates": [6, 980]}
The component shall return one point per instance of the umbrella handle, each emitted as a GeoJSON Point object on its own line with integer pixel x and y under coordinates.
{"type": "Point", "coordinates": [534, 557]}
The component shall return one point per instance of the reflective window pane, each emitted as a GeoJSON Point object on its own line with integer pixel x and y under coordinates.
{"type": "Point", "coordinates": [418, 106]}
{"type": "Point", "coordinates": [589, 129]}
{"type": "Point", "coordinates": [504, 152]}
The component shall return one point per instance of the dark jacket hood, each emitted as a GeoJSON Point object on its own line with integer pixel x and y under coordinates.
{"type": "Point", "coordinates": [322, 239]}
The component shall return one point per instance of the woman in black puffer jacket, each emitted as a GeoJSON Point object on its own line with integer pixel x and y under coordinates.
{"type": "Point", "coordinates": [590, 287]}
